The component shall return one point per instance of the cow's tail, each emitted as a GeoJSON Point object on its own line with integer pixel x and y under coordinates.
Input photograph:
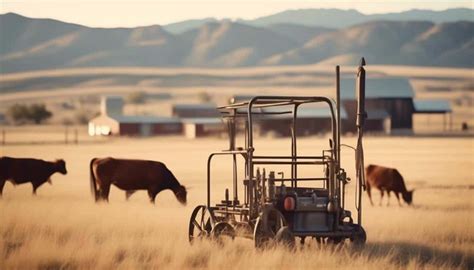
{"type": "Point", "coordinates": [95, 193]}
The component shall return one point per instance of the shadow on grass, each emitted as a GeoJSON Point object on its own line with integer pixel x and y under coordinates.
{"type": "Point", "coordinates": [402, 253]}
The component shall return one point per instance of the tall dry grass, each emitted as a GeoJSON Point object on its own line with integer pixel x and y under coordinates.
{"type": "Point", "coordinates": [62, 228]}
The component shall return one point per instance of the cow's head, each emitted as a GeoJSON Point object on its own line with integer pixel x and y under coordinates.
{"type": "Point", "coordinates": [181, 193]}
{"type": "Point", "coordinates": [408, 196]}
{"type": "Point", "coordinates": [60, 166]}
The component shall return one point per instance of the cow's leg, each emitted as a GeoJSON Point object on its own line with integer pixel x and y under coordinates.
{"type": "Point", "coordinates": [388, 197]}
{"type": "Point", "coordinates": [370, 194]}
{"type": "Point", "coordinates": [398, 198]}
{"type": "Point", "coordinates": [129, 193]}
{"type": "Point", "coordinates": [104, 192]}
{"type": "Point", "coordinates": [152, 194]}
{"type": "Point", "coordinates": [381, 197]}
{"type": "Point", "coordinates": [2, 183]}
{"type": "Point", "coordinates": [35, 187]}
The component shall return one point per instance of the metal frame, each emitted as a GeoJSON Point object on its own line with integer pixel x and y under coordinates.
{"type": "Point", "coordinates": [254, 203]}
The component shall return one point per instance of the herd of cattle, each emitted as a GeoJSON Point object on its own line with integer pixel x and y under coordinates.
{"type": "Point", "coordinates": [154, 177]}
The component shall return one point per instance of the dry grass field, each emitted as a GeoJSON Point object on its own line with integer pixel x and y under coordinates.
{"type": "Point", "coordinates": [62, 228]}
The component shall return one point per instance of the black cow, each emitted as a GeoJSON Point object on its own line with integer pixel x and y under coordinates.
{"type": "Point", "coordinates": [24, 170]}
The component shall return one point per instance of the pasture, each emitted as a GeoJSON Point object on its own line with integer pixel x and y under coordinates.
{"type": "Point", "coordinates": [62, 228]}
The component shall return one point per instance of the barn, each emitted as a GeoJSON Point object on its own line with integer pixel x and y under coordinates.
{"type": "Point", "coordinates": [199, 120]}
{"type": "Point", "coordinates": [201, 127]}
{"type": "Point", "coordinates": [390, 105]}
{"type": "Point", "coordinates": [111, 121]}
{"type": "Point", "coordinates": [430, 107]}
{"type": "Point", "coordinates": [391, 97]}
{"type": "Point", "coordinates": [195, 110]}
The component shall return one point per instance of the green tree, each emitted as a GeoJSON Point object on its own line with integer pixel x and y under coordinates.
{"type": "Point", "coordinates": [18, 113]}
{"type": "Point", "coordinates": [38, 113]}
{"type": "Point", "coordinates": [35, 113]}
{"type": "Point", "coordinates": [138, 97]}
{"type": "Point", "coordinates": [204, 97]}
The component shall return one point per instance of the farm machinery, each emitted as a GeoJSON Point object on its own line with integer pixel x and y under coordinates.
{"type": "Point", "coordinates": [275, 208]}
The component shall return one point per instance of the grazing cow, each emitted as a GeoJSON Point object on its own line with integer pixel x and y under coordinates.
{"type": "Point", "coordinates": [131, 175]}
{"type": "Point", "coordinates": [24, 170]}
{"type": "Point", "coordinates": [389, 180]}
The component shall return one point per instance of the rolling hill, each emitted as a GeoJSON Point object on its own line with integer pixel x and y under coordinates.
{"type": "Point", "coordinates": [337, 18]}
{"type": "Point", "coordinates": [36, 44]}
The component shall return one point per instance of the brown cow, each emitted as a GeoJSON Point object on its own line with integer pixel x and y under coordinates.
{"type": "Point", "coordinates": [131, 175]}
{"type": "Point", "coordinates": [24, 170]}
{"type": "Point", "coordinates": [389, 180]}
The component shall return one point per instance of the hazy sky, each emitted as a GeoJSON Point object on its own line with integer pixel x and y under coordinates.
{"type": "Point", "coordinates": [128, 13]}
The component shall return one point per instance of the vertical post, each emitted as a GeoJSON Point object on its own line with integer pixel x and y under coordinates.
{"type": "Point", "coordinates": [3, 137]}
{"type": "Point", "coordinates": [250, 159]}
{"type": "Point", "coordinates": [76, 137]}
{"type": "Point", "coordinates": [338, 110]}
{"type": "Point", "coordinates": [450, 121]}
{"type": "Point", "coordinates": [66, 131]}
{"type": "Point", "coordinates": [361, 116]}
{"type": "Point", "coordinates": [444, 121]}
{"type": "Point", "coordinates": [294, 173]}
{"type": "Point", "coordinates": [232, 133]}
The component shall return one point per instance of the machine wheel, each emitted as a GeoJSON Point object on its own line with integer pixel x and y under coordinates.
{"type": "Point", "coordinates": [201, 223]}
{"type": "Point", "coordinates": [222, 231]}
{"type": "Point", "coordinates": [267, 226]}
{"type": "Point", "coordinates": [285, 236]}
{"type": "Point", "coordinates": [359, 237]}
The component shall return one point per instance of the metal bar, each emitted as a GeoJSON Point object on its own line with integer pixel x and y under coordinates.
{"type": "Point", "coordinates": [338, 115]}
{"type": "Point", "coordinates": [249, 159]}
{"type": "Point", "coordinates": [361, 116]}
{"type": "Point", "coordinates": [255, 113]}
{"type": "Point", "coordinates": [302, 179]}
{"type": "Point", "coordinates": [291, 162]}
{"type": "Point", "coordinates": [289, 157]}
{"type": "Point", "coordinates": [275, 101]}
{"type": "Point", "coordinates": [209, 159]}
{"type": "Point", "coordinates": [294, 168]}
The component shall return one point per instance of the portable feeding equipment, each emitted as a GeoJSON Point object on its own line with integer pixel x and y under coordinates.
{"type": "Point", "coordinates": [279, 209]}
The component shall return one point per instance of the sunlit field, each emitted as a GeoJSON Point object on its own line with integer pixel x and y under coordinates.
{"type": "Point", "coordinates": [62, 228]}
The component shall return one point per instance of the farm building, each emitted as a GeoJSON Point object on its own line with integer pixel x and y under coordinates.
{"type": "Point", "coordinates": [200, 127]}
{"type": "Point", "coordinates": [391, 98]}
{"type": "Point", "coordinates": [199, 120]}
{"type": "Point", "coordinates": [199, 110]}
{"type": "Point", "coordinates": [111, 121]}
{"type": "Point", "coordinates": [430, 107]}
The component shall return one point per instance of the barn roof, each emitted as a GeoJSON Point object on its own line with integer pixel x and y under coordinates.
{"type": "Point", "coordinates": [139, 119]}
{"type": "Point", "coordinates": [195, 106]}
{"type": "Point", "coordinates": [202, 120]}
{"type": "Point", "coordinates": [375, 88]}
{"type": "Point", "coordinates": [431, 106]}
{"type": "Point", "coordinates": [306, 111]}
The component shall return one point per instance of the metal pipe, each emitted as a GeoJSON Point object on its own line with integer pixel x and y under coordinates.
{"type": "Point", "coordinates": [290, 162]}
{"type": "Point", "coordinates": [361, 116]}
{"type": "Point", "coordinates": [288, 157]}
{"type": "Point", "coordinates": [338, 115]}
{"type": "Point", "coordinates": [303, 179]}
{"type": "Point", "coordinates": [249, 159]}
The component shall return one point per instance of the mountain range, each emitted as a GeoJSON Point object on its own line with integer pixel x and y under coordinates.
{"type": "Point", "coordinates": [34, 44]}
